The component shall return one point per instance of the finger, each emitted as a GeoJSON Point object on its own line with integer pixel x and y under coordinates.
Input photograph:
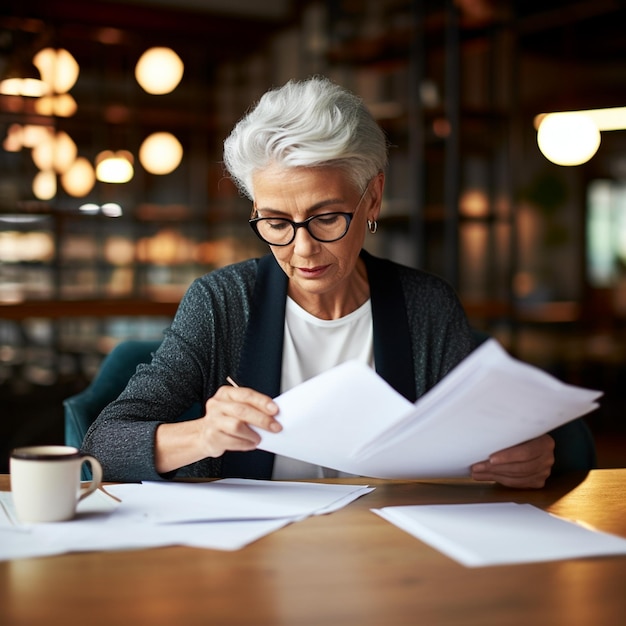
{"type": "Point", "coordinates": [246, 405]}
{"type": "Point", "coordinates": [221, 433]}
{"type": "Point", "coordinates": [233, 434]}
{"type": "Point", "coordinates": [522, 475]}
{"type": "Point", "coordinates": [517, 482]}
{"type": "Point", "coordinates": [527, 467]}
{"type": "Point", "coordinates": [246, 395]}
{"type": "Point", "coordinates": [526, 451]}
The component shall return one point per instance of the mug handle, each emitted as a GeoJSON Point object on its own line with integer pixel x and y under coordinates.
{"type": "Point", "coordinates": [96, 476]}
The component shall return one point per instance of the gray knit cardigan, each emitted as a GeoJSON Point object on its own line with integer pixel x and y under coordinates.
{"type": "Point", "coordinates": [230, 322]}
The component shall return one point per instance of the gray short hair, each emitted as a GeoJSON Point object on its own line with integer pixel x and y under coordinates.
{"type": "Point", "coordinates": [306, 123]}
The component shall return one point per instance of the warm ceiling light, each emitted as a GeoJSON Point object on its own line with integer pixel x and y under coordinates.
{"type": "Point", "coordinates": [34, 134]}
{"type": "Point", "coordinates": [159, 70]}
{"type": "Point", "coordinates": [114, 167]}
{"type": "Point", "coordinates": [14, 141]}
{"type": "Point", "coordinates": [79, 180]}
{"type": "Point", "coordinates": [568, 138]}
{"type": "Point", "coordinates": [160, 153]}
{"type": "Point", "coordinates": [613, 118]}
{"type": "Point", "coordinates": [45, 185]}
{"type": "Point", "coordinates": [58, 151]}
{"type": "Point", "coordinates": [22, 78]}
{"type": "Point", "coordinates": [474, 203]}
{"type": "Point", "coordinates": [58, 68]}
{"type": "Point", "coordinates": [61, 105]}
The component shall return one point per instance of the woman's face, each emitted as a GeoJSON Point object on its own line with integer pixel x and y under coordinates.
{"type": "Point", "coordinates": [322, 276]}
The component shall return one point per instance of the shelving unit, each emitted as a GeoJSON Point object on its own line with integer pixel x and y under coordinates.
{"type": "Point", "coordinates": [444, 88]}
{"type": "Point", "coordinates": [443, 209]}
{"type": "Point", "coordinates": [98, 280]}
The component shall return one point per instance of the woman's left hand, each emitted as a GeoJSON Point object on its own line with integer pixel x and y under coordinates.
{"type": "Point", "coordinates": [525, 466]}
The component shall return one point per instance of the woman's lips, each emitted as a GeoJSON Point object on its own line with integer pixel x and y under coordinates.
{"type": "Point", "coordinates": [312, 272]}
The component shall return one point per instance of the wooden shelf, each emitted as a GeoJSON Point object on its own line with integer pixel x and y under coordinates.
{"type": "Point", "coordinates": [100, 308]}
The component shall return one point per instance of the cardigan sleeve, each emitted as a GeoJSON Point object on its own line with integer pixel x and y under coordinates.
{"type": "Point", "coordinates": [200, 348]}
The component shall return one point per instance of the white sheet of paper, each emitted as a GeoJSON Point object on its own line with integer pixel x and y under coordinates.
{"type": "Point", "coordinates": [230, 499]}
{"type": "Point", "coordinates": [233, 513]}
{"type": "Point", "coordinates": [89, 534]}
{"type": "Point", "coordinates": [351, 420]}
{"type": "Point", "coordinates": [501, 533]}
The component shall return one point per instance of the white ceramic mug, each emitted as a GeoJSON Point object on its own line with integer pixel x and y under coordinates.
{"type": "Point", "coordinates": [45, 482]}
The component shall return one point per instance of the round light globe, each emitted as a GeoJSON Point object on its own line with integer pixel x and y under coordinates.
{"type": "Point", "coordinates": [58, 68]}
{"type": "Point", "coordinates": [568, 138]}
{"type": "Point", "coordinates": [79, 180]}
{"type": "Point", "coordinates": [159, 70]}
{"type": "Point", "coordinates": [160, 153]}
{"type": "Point", "coordinates": [114, 167]}
{"type": "Point", "coordinates": [45, 185]}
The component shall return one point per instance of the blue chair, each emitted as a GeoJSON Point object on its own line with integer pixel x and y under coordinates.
{"type": "Point", "coordinates": [114, 373]}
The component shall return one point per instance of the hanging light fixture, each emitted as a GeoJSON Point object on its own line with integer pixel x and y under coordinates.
{"type": "Point", "coordinates": [79, 180]}
{"type": "Point", "coordinates": [14, 141]}
{"type": "Point", "coordinates": [58, 69]}
{"type": "Point", "coordinates": [59, 105]}
{"type": "Point", "coordinates": [22, 78]}
{"type": "Point", "coordinates": [57, 151]}
{"type": "Point", "coordinates": [45, 185]}
{"type": "Point", "coordinates": [114, 167]}
{"type": "Point", "coordinates": [568, 138]}
{"type": "Point", "coordinates": [32, 134]}
{"type": "Point", "coordinates": [160, 153]}
{"type": "Point", "coordinates": [159, 70]}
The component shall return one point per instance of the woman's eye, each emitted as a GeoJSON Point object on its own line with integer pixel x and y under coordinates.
{"type": "Point", "coordinates": [277, 224]}
{"type": "Point", "coordinates": [327, 220]}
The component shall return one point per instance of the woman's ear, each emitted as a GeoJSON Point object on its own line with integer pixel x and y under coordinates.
{"type": "Point", "coordinates": [376, 188]}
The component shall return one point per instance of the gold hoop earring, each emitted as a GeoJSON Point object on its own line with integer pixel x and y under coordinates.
{"type": "Point", "coordinates": [372, 226]}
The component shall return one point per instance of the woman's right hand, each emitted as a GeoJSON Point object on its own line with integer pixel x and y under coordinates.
{"type": "Point", "coordinates": [225, 425]}
{"type": "Point", "coordinates": [229, 415]}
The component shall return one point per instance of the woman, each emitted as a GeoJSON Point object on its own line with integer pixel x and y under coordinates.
{"type": "Point", "coordinates": [312, 160]}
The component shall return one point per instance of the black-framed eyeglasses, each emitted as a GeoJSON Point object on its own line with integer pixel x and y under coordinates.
{"type": "Point", "coordinates": [326, 227]}
{"type": "Point", "coordinates": [279, 231]}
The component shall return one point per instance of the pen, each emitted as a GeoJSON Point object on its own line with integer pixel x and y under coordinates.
{"type": "Point", "coordinates": [275, 426]}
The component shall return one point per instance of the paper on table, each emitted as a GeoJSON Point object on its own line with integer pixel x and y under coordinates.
{"type": "Point", "coordinates": [503, 533]}
{"type": "Point", "coordinates": [351, 420]}
{"type": "Point", "coordinates": [86, 534]}
{"type": "Point", "coordinates": [240, 512]}
{"type": "Point", "coordinates": [230, 499]}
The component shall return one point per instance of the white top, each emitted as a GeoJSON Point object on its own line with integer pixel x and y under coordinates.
{"type": "Point", "coordinates": [312, 346]}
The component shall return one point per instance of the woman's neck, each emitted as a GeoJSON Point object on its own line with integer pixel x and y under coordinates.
{"type": "Point", "coordinates": [348, 297]}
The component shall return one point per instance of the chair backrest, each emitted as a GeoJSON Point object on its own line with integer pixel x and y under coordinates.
{"type": "Point", "coordinates": [116, 369]}
{"type": "Point", "coordinates": [576, 448]}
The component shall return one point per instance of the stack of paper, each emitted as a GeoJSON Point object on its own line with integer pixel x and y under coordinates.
{"type": "Point", "coordinates": [225, 514]}
{"type": "Point", "coordinates": [501, 533]}
{"type": "Point", "coordinates": [350, 419]}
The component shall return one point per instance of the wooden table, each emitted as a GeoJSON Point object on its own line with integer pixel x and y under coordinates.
{"type": "Point", "coordinates": [350, 567]}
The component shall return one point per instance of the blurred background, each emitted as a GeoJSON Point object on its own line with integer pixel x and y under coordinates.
{"type": "Point", "coordinates": [113, 197]}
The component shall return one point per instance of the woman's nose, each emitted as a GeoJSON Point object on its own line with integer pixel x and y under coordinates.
{"type": "Point", "coordinates": [303, 243]}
